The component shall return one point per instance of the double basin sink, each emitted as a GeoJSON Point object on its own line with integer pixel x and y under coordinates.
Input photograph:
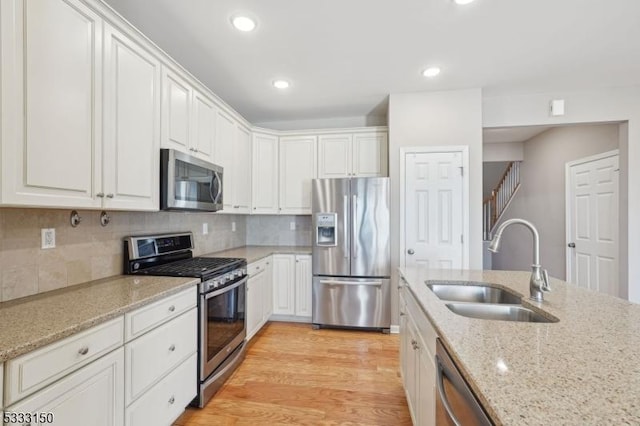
{"type": "Point", "coordinates": [483, 301]}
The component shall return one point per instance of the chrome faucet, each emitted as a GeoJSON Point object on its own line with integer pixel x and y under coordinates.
{"type": "Point", "coordinates": [539, 281]}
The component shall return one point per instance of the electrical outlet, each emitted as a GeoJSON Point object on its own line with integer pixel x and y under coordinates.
{"type": "Point", "coordinates": [233, 227]}
{"type": "Point", "coordinates": [205, 228]}
{"type": "Point", "coordinates": [292, 226]}
{"type": "Point", "coordinates": [48, 238]}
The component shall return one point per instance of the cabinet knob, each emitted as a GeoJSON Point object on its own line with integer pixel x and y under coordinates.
{"type": "Point", "coordinates": [172, 400]}
{"type": "Point", "coordinates": [572, 245]}
{"type": "Point", "coordinates": [172, 308]}
{"type": "Point", "coordinates": [109, 195]}
{"type": "Point", "coordinates": [172, 348]}
{"type": "Point", "coordinates": [402, 314]}
{"type": "Point", "coordinates": [83, 350]}
{"type": "Point", "coordinates": [100, 194]}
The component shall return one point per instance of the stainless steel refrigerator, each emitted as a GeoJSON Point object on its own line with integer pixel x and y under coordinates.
{"type": "Point", "coordinates": [351, 253]}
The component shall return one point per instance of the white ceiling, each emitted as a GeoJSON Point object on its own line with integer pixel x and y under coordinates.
{"type": "Point", "coordinates": [344, 58]}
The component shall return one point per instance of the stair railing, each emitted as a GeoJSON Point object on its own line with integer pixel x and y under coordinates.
{"type": "Point", "coordinates": [494, 206]}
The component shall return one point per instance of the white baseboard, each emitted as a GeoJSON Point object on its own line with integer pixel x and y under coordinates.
{"type": "Point", "coordinates": [394, 329]}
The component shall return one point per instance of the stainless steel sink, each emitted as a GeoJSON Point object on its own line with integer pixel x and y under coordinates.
{"type": "Point", "coordinates": [474, 294]}
{"type": "Point", "coordinates": [497, 312]}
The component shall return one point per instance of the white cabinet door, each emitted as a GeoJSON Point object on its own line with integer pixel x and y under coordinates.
{"type": "Point", "coordinates": [176, 111]}
{"type": "Point", "coordinates": [298, 167]}
{"type": "Point", "coordinates": [369, 154]}
{"type": "Point", "coordinates": [93, 395]}
{"type": "Point", "coordinates": [203, 128]}
{"type": "Point", "coordinates": [303, 285]}
{"type": "Point", "coordinates": [225, 139]}
{"type": "Point", "coordinates": [334, 156]}
{"type": "Point", "coordinates": [264, 189]}
{"type": "Point", "coordinates": [426, 408]}
{"type": "Point", "coordinates": [267, 294]}
{"type": "Point", "coordinates": [255, 296]}
{"type": "Point", "coordinates": [411, 370]}
{"type": "Point", "coordinates": [51, 103]}
{"type": "Point", "coordinates": [131, 124]}
{"type": "Point", "coordinates": [241, 169]}
{"type": "Point", "coordinates": [284, 284]}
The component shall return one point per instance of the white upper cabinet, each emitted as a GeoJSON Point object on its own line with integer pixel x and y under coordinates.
{"type": "Point", "coordinates": [176, 110]}
{"type": "Point", "coordinates": [203, 127]}
{"type": "Point", "coordinates": [51, 103]}
{"type": "Point", "coordinates": [241, 170]}
{"type": "Point", "coordinates": [352, 154]}
{"type": "Point", "coordinates": [370, 154]}
{"type": "Point", "coordinates": [298, 167]}
{"type": "Point", "coordinates": [334, 156]}
{"type": "Point", "coordinates": [225, 140]}
{"type": "Point", "coordinates": [264, 190]}
{"type": "Point", "coordinates": [131, 124]}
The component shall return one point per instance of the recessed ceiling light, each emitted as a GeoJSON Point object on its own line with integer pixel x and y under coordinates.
{"type": "Point", "coordinates": [280, 84]}
{"type": "Point", "coordinates": [431, 72]}
{"type": "Point", "coordinates": [243, 23]}
{"type": "Point", "coordinates": [463, 1]}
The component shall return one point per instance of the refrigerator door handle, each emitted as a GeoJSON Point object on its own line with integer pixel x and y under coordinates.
{"type": "Point", "coordinates": [346, 228]}
{"type": "Point", "coordinates": [354, 227]}
{"type": "Point", "coordinates": [338, 282]}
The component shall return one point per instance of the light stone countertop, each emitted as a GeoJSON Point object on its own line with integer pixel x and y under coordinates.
{"type": "Point", "coordinates": [254, 253]}
{"type": "Point", "coordinates": [35, 321]}
{"type": "Point", "coordinates": [582, 370]}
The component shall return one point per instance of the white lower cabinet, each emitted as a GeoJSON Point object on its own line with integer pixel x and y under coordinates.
{"type": "Point", "coordinates": [259, 295]}
{"type": "Point", "coordinates": [292, 286]}
{"type": "Point", "coordinates": [165, 401]}
{"type": "Point", "coordinates": [92, 395]}
{"type": "Point", "coordinates": [417, 360]}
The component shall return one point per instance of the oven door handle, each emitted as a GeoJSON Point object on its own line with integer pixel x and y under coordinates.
{"type": "Point", "coordinates": [208, 296]}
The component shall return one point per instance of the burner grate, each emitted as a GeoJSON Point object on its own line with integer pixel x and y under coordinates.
{"type": "Point", "coordinates": [194, 267]}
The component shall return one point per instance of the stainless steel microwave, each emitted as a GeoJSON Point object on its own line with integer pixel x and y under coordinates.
{"type": "Point", "coordinates": [188, 183]}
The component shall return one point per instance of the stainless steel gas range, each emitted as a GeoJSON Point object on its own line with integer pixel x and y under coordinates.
{"type": "Point", "coordinates": [221, 303]}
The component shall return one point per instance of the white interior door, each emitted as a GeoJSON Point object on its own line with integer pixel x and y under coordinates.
{"type": "Point", "coordinates": [433, 211]}
{"type": "Point", "coordinates": [592, 223]}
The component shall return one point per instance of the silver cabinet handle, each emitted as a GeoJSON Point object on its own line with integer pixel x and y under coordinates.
{"type": "Point", "coordinates": [109, 195]}
{"type": "Point", "coordinates": [172, 400]}
{"type": "Point", "coordinates": [172, 348]}
{"type": "Point", "coordinates": [100, 194]}
{"type": "Point", "coordinates": [411, 251]}
{"type": "Point", "coordinates": [84, 350]}
{"type": "Point", "coordinates": [338, 282]}
{"type": "Point", "coordinates": [172, 308]}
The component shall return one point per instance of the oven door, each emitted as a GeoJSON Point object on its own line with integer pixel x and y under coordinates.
{"type": "Point", "coordinates": [188, 183]}
{"type": "Point", "coordinates": [222, 325]}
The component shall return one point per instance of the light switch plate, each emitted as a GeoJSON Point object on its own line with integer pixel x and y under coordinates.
{"type": "Point", "coordinates": [48, 238]}
{"type": "Point", "coordinates": [205, 228]}
{"type": "Point", "coordinates": [233, 227]}
{"type": "Point", "coordinates": [292, 226]}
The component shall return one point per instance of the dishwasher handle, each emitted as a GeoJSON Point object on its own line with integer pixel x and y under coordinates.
{"type": "Point", "coordinates": [442, 395]}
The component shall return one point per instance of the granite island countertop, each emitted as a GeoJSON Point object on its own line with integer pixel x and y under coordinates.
{"type": "Point", "coordinates": [254, 253]}
{"type": "Point", "coordinates": [582, 370]}
{"type": "Point", "coordinates": [35, 321]}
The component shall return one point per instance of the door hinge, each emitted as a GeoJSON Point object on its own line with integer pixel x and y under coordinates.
{"type": "Point", "coordinates": [461, 239]}
{"type": "Point", "coordinates": [461, 171]}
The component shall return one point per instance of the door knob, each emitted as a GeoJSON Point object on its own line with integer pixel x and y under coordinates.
{"type": "Point", "coordinates": [572, 245]}
{"type": "Point", "coordinates": [411, 251]}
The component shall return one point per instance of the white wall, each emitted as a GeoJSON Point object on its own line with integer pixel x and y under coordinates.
{"type": "Point", "coordinates": [510, 151]}
{"type": "Point", "coordinates": [605, 105]}
{"type": "Point", "coordinates": [325, 123]}
{"type": "Point", "coordinates": [541, 198]}
{"type": "Point", "coordinates": [436, 119]}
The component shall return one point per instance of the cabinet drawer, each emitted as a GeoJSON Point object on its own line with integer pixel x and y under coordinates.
{"type": "Point", "coordinates": [258, 266]}
{"type": "Point", "coordinates": [163, 403]}
{"type": "Point", "coordinates": [37, 369]}
{"type": "Point", "coordinates": [89, 396]}
{"type": "Point", "coordinates": [425, 330]}
{"type": "Point", "coordinates": [148, 317]}
{"type": "Point", "coordinates": [152, 356]}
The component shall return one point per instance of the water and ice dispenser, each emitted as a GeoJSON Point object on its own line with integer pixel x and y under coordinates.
{"type": "Point", "coordinates": [326, 229]}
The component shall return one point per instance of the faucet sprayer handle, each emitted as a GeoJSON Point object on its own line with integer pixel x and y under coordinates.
{"type": "Point", "coordinates": [545, 276]}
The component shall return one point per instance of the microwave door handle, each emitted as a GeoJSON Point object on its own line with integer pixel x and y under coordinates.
{"type": "Point", "coordinates": [215, 177]}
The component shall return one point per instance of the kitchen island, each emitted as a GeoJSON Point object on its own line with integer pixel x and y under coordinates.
{"type": "Point", "coordinates": [583, 369]}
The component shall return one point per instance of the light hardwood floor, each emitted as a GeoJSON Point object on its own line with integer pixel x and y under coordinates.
{"type": "Point", "coordinates": [294, 375]}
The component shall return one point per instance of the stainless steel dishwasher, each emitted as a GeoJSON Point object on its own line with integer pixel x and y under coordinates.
{"type": "Point", "coordinates": [456, 404]}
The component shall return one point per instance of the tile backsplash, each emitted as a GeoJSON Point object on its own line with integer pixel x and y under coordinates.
{"type": "Point", "coordinates": [91, 251]}
{"type": "Point", "coordinates": [276, 230]}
